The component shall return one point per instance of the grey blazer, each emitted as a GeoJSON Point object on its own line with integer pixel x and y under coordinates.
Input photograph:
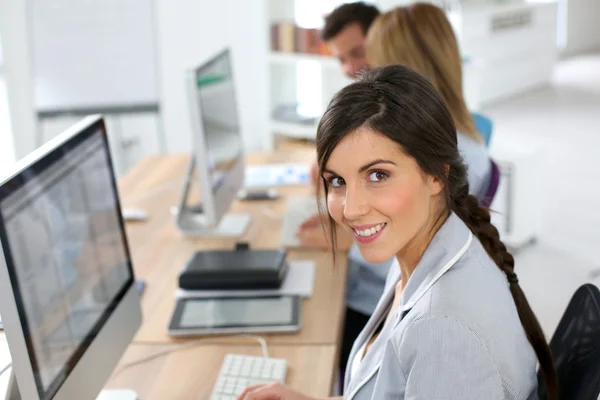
{"type": "Point", "coordinates": [455, 335]}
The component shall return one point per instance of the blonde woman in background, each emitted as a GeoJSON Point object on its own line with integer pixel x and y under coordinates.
{"type": "Point", "coordinates": [420, 37]}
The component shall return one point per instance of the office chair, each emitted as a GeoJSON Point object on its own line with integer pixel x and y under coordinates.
{"type": "Point", "coordinates": [575, 348]}
{"type": "Point", "coordinates": [484, 125]}
{"type": "Point", "coordinates": [486, 201]}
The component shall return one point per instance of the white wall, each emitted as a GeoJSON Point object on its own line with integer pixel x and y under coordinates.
{"type": "Point", "coordinates": [189, 32]}
{"type": "Point", "coordinates": [583, 26]}
{"type": "Point", "coordinates": [192, 31]}
{"type": "Point", "coordinates": [17, 71]}
{"type": "Point", "coordinates": [7, 147]}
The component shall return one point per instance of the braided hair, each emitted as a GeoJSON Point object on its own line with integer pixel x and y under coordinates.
{"type": "Point", "coordinates": [401, 105]}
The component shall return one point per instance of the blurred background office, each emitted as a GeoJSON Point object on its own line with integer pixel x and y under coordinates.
{"type": "Point", "coordinates": [531, 67]}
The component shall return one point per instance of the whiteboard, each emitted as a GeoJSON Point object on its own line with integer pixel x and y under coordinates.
{"type": "Point", "coordinates": [93, 54]}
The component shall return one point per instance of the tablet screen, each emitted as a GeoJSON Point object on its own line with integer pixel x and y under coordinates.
{"type": "Point", "coordinates": [236, 312]}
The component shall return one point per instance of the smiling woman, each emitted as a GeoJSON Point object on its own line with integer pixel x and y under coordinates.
{"type": "Point", "coordinates": [453, 322]}
{"type": "Point", "coordinates": [393, 176]}
{"type": "Point", "coordinates": [379, 194]}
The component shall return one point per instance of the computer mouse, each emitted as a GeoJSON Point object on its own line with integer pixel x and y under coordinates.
{"type": "Point", "coordinates": [134, 214]}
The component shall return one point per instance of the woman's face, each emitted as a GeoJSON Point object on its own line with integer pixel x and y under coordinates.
{"type": "Point", "coordinates": [379, 194]}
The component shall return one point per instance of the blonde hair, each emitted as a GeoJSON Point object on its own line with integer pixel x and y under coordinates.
{"type": "Point", "coordinates": [421, 37]}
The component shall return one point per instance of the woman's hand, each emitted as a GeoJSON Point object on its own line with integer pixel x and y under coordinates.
{"type": "Point", "coordinates": [312, 235]}
{"type": "Point", "coordinates": [272, 391]}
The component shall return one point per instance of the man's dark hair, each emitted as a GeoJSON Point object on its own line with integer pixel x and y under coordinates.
{"type": "Point", "coordinates": [346, 14]}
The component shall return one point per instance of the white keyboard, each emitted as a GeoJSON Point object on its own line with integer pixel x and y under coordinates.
{"type": "Point", "coordinates": [300, 208]}
{"type": "Point", "coordinates": [240, 371]}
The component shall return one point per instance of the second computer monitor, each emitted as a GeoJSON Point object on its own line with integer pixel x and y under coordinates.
{"type": "Point", "coordinates": [218, 155]}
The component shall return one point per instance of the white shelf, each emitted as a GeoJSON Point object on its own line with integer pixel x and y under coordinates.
{"type": "Point", "coordinates": [293, 58]}
{"type": "Point", "coordinates": [298, 131]}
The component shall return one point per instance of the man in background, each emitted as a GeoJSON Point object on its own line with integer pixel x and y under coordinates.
{"type": "Point", "coordinates": [345, 34]}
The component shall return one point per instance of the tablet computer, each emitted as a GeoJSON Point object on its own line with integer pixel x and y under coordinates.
{"type": "Point", "coordinates": [226, 315]}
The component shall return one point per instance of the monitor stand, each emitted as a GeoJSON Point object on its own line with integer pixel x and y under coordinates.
{"type": "Point", "coordinates": [191, 221]}
{"type": "Point", "coordinates": [12, 392]}
{"type": "Point", "coordinates": [194, 224]}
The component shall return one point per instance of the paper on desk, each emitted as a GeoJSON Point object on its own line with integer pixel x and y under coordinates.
{"type": "Point", "coordinates": [299, 281]}
{"type": "Point", "coordinates": [269, 175]}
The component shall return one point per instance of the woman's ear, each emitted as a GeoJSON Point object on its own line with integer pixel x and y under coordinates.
{"type": "Point", "coordinates": [436, 185]}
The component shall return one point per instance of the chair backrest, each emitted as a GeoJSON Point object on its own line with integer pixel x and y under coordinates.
{"type": "Point", "coordinates": [575, 347]}
{"type": "Point", "coordinates": [484, 125]}
{"type": "Point", "coordinates": [486, 201]}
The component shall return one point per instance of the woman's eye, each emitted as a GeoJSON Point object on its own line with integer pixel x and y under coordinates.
{"type": "Point", "coordinates": [377, 176]}
{"type": "Point", "coordinates": [336, 181]}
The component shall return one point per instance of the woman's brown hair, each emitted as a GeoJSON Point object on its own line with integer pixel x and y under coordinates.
{"type": "Point", "coordinates": [401, 105]}
{"type": "Point", "coordinates": [421, 37]}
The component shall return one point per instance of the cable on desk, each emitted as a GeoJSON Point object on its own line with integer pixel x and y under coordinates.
{"type": "Point", "coordinates": [260, 340]}
{"type": "Point", "coordinates": [3, 370]}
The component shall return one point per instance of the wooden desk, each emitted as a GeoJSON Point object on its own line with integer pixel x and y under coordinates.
{"type": "Point", "coordinates": [159, 250]}
{"type": "Point", "coordinates": [192, 372]}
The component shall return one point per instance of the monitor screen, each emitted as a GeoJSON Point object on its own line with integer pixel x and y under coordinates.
{"type": "Point", "coordinates": [66, 252]}
{"type": "Point", "coordinates": [219, 116]}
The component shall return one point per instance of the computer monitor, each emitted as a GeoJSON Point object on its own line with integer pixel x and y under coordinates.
{"type": "Point", "coordinates": [67, 295]}
{"type": "Point", "coordinates": [218, 156]}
